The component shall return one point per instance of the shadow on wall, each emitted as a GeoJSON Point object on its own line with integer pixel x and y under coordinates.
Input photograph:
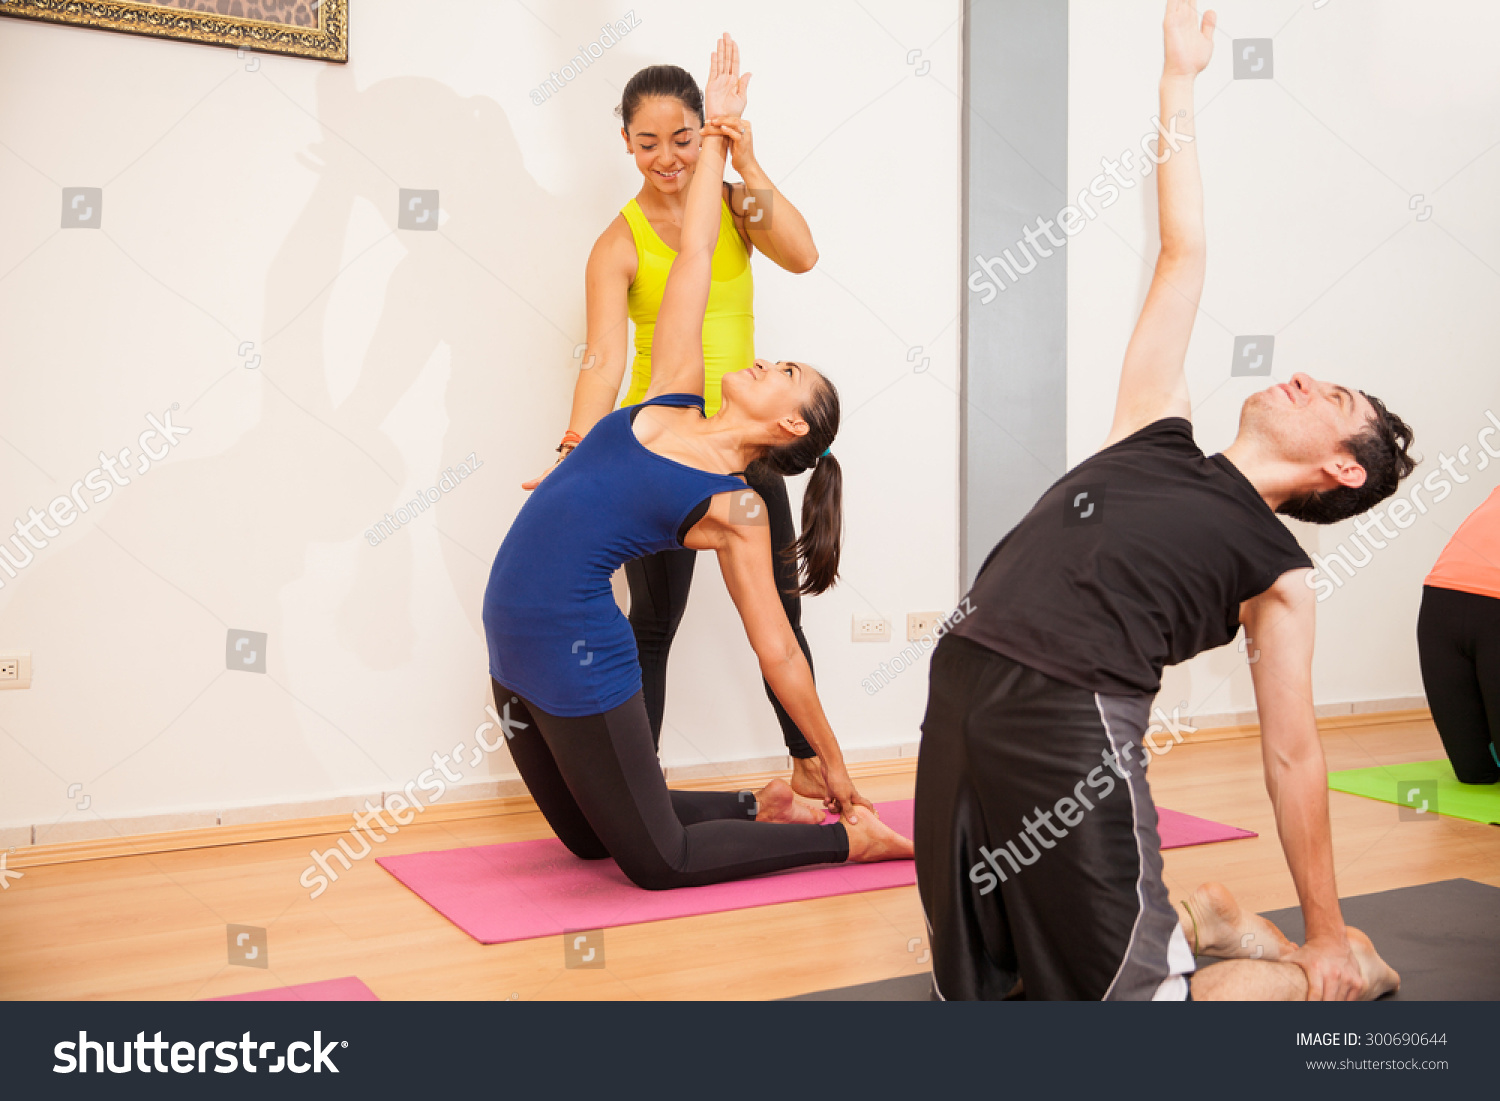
{"type": "Point", "coordinates": [485, 285]}
{"type": "Point", "coordinates": [500, 284]}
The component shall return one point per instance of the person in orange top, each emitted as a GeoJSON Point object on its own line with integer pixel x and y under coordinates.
{"type": "Point", "coordinates": [1458, 641]}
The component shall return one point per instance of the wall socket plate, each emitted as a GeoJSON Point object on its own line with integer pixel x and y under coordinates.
{"type": "Point", "coordinates": [921, 624]}
{"type": "Point", "coordinates": [15, 669]}
{"type": "Point", "coordinates": [871, 628]}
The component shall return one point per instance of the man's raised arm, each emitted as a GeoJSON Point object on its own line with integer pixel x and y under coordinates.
{"type": "Point", "coordinates": [1152, 383]}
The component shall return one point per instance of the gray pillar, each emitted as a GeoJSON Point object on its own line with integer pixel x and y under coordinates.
{"type": "Point", "coordinates": [1014, 347]}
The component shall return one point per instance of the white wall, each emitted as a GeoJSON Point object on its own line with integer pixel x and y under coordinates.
{"type": "Point", "coordinates": [260, 206]}
{"type": "Point", "coordinates": [1309, 179]}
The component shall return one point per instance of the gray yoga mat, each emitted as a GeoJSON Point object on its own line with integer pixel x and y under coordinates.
{"type": "Point", "coordinates": [907, 988]}
{"type": "Point", "coordinates": [1443, 938]}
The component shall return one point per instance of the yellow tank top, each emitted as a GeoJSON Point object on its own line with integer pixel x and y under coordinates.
{"type": "Point", "coordinates": [729, 323]}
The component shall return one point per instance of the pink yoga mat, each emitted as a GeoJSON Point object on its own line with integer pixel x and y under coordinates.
{"type": "Point", "coordinates": [347, 989]}
{"type": "Point", "coordinates": [1179, 830]}
{"type": "Point", "coordinates": [524, 889]}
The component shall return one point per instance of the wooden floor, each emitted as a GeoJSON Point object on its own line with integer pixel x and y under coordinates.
{"type": "Point", "coordinates": [152, 927]}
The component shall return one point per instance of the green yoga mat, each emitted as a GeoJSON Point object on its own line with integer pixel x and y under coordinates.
{"type": "Point", "coordinates": [1429, 784]}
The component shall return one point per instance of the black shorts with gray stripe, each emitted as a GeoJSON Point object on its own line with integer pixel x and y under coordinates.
{"type": "Point", "coordinates": [1038, 861]}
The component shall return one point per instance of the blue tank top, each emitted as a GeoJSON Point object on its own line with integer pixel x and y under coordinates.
{"type": "Point", "coordinates": [556, 636]}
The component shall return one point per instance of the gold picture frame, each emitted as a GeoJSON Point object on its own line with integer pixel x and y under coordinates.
{"type": "Point", "coordinates": [328, 41]}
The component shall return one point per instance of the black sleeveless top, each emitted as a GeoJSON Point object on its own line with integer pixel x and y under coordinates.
{"type": "Point", "coordinates": [1136, 559]}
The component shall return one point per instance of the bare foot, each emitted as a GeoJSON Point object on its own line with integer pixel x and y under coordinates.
{"type": "Point", "coordinates": [807, 778]}
{"type": "Point", "coordinates": [870, 840]}
{"type": "Point", "coordinates": [777, 802]}
{"type": "Point", "coordinates": [1380, 978]}
{"type": "Point", "coordinates": [1227, 932]}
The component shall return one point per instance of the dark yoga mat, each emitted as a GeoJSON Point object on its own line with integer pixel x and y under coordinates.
{"type": "Point", "coordinates": [908, 988]}
{"type": "Point", "coordinates": [1443, 938]}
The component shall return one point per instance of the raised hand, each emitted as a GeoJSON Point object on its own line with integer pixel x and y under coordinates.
{"type": "Point", "coordinates": [724, 92]}
{"type": "Point", "coordinates": [1189, 42]}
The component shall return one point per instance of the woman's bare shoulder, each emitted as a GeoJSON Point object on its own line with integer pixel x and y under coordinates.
{"type": "Point", "coordinates": [614, 250]}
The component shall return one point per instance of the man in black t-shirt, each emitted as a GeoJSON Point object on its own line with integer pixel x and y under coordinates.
{"type": "Point", "coordinates": [1038, 860]}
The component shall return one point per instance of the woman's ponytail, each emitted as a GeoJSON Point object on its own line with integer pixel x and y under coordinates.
{"type": "Point", "coordinates": [817, 548]}
{"type": "Point", "coordinates": [816, 551]}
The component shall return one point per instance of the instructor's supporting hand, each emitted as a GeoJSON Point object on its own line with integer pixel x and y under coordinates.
{"type": "Point", "coordinates": [528, 486]}
{"type": "Point", "coordinates": [741, 144]}
{"type": "Point", "coordinates": [570, 440]}
{"type": "Point", "coordinates": [537, 480]}
{"type": "Point", "coordinates": [1189, 43]}
{"type": "Point", "coordinates": [1333, 973]}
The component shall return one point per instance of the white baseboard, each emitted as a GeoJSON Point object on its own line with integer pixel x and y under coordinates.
{"type": "Point", "coordinates": [88, 827]}
{"type": "Point", "coordinates": [1322, 711]}
{"type": "Point", "coordinates": [83, 827]}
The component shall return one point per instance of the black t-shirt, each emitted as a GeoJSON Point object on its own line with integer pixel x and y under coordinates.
{"type": "Point", "coordinates": [1136, 559]}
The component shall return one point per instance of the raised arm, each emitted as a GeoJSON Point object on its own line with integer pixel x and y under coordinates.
{"type": "Point", "coordinates": [677, 344]}
{"type": "Point", "coordinates": [1152, 382]}
{"type": "Point", "coordinates": [1280, 625]}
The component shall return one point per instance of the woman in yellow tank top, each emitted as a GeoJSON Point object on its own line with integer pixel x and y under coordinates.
{"type": "Point", "coordinates": [662, 112]}
{"type": "Point", "coordinates": [729, 324]}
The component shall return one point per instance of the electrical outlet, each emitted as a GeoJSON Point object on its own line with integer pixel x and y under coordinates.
{"type": "Point", "coordinates": [15, 669]}
{"type": "Point", "coordinates": [921, 624]}
{"type": "Point", "coordinates": [871, 628]}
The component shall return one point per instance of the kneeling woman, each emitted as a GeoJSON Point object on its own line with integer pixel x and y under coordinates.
{"type": "Point", "coordinates": [649, 477]}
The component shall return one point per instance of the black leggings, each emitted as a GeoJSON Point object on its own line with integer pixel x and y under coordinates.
{"type": "Point", "coordinates": [598, 783]}
{"type": "Point", "coordinates": [659, 586]}
{"type": "Point", "coordinates": [1458, 641]}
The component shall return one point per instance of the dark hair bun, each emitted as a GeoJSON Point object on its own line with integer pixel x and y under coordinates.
{"type": "Point", "coordinates": [665, 81]}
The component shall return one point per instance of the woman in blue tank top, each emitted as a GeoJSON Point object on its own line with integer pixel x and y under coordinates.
{"type": "Point", "coordinates": [647, 478]}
